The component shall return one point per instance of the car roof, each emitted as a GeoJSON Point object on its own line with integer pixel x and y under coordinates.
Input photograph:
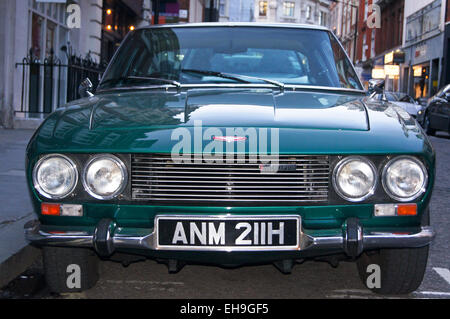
{"type": "Point", "coordinates": [237, 24]}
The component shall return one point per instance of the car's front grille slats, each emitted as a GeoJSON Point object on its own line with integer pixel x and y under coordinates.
{"type": "Point", "coordinates": [159, 178]}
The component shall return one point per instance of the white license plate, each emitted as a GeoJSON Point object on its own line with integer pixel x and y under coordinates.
{"type": "Point", "coordinates": [227, 233]}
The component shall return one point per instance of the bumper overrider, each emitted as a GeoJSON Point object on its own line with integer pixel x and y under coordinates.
{"type": "Point", "coordinates": [107, 237]}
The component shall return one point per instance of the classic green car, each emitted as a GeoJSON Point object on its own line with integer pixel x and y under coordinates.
{"type": "Point", "coordinates": [231, 144]}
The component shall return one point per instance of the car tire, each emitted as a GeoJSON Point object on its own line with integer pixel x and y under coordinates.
{"type": "Point", "coordinates": [402, 270]}
{"type": "Point", "coordinates": [426, 126]}
{"type": "Point", "coordinates": [57, 271]}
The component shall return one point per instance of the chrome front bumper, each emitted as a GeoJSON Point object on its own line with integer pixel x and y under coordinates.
{"type": "Point", "coordinates": [105, 239]}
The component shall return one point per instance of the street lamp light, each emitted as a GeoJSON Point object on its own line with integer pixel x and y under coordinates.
{"type": "Point", "coordinates": [350, 3]}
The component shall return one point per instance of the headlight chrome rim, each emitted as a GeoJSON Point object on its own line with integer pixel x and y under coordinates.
{"type": "Point", "coordinates": [38, 187]}
{"type": "Point", "coordinates": [425, 179]}
{"type": "Point", "coordinates": [341, 164]}
{"type": "Point", "coordinates": [122, 167]}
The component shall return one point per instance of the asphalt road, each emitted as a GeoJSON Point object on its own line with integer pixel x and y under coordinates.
{"type": "Point", "coordinates": [309, 280]}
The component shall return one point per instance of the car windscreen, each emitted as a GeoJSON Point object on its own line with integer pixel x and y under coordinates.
{"type": "Point", "coordinates": [194, 55]}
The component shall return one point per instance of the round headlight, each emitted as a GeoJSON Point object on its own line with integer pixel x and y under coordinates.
{"type": "Point", "coordinates": [355, 178]}
{"type": "Point", "coordinates": [104, 177]}
{"type": "Point", "coordinates": [405, 178]}
{"type": "Point", "coordinates": [55, 176]}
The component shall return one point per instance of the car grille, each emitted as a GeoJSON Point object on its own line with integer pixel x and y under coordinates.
{"type": "Point", "coordinates": [157, 178]}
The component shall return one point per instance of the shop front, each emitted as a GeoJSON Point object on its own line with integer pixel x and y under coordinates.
{"type": "Point", "coordinates": [422, 70]}
{"type": "Point", "coordinates": [424, 64]}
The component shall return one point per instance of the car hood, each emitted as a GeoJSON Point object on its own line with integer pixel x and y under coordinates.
{"type": "Point", "coordinates": [227, 108]}
{"type": "Point", "coordinates": [306, 121]}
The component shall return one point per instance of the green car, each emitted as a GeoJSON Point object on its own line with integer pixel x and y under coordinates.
{"type": "Point", "coordinates": [231, 144]}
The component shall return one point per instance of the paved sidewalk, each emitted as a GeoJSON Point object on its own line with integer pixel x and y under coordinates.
{"type": "Point", "coordinates": [15, 204]}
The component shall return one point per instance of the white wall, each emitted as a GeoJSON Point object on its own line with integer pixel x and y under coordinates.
{"type": "Point", "coordinates": [91, 28]}
{"type": "Point", "coordinates": [195, 11]}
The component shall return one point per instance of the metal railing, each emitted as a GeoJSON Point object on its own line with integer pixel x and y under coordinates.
{"type": "Point", "coordinates": [49, 84]}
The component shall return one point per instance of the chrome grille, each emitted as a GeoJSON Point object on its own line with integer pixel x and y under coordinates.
{"type": "Point", "coordinates": [155, 177]}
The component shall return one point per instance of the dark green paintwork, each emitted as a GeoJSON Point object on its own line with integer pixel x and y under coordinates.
{"type": "Point", "coordinates": [310, 122]}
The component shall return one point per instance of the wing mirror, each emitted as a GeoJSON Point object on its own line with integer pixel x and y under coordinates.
{"type": "Point", "coordinates": [376, 87]}
{"type": "Point", "coordinates": [85, 88]}
{"type": "Point", "coordinates": [447, 97]}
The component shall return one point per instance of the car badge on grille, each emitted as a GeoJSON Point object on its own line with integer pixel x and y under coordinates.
{"type": "Point", "coordinates": [275, 168]}
{"type": "Point", "coordinates": [229, 139]}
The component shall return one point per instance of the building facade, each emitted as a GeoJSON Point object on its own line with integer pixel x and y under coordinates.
{"type": "Point", "coordinates": [446, 53]}
{"type": "Point", "coordinates": [293, 11]}
{"type": "Point", "coordinates": [343, 21]}
{"type": "Point", "coordinates": [386, 42]}
{"type": "Point", "coordinates": [47, 47]}
{"type": "Point", "coordinates": [423, 72]}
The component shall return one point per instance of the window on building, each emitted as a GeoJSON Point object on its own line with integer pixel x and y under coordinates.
{"type": "Point", "coordinates": [263, 8]}
{"type": "Point", "coordinates": [47, 25]}
{"type": "Point", "coordinates": [222, 6]}
{"type": "Point", "coordinates": [308, 12]}
{"type": "Point", "coordinates": [288, 8]}
{"type": "Point", "coordinates": [36, 35]}
{"type": "Point", "coordinates": [366, 9]}
{"type": "Point", "coordinates": [364, 48]}
{"type": "Point", "coordinates": [372, 44]}
{"type": "Point", "coordinates": [48, 33]}
{"type": "Point", "coordinates": [50, 39]}
{"type": "Point", "coordinates": [419, 24]}
{"type": "Point", "coordinates": [323, 18]}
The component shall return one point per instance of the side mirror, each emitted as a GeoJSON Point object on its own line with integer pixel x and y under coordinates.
{"type": "Point", "coordinates": [447, 97]}
{"type": "Point", "coordinates": [376, 86]}
{"type": "Point", "coordinates": [85, 88]}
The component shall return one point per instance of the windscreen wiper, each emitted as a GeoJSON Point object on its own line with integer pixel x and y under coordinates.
{"type": "Point", "coordinates": [144, 78]}
{"type": "Point", "coordinates": [237, 77]}
{"type": "Point", "coordinates": [173, 82]}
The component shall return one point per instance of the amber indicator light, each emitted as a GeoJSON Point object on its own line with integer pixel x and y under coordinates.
{"type": "Point", "coordinates": [407, 210]}
{"type": "Point", "coordinates": [50, 209]}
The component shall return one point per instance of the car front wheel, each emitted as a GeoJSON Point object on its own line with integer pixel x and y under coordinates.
{"type": "Point", "coordinates": [70, 269]}
{"type": "Point", "coordinates": [401, 270]}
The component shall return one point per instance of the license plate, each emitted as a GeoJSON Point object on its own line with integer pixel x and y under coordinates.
{"type": "Point", "coordinates": [228, 233]}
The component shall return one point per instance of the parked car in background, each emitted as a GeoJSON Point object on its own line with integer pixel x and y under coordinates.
{"type": "Point", "coordinates": [436, 115]}
{"type": "Point", "coordinates": [403, 100]}
{"type": "Point", "coordinates": [423, 101]}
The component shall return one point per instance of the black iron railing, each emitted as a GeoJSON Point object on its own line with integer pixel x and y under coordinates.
{"type": "Point", "coordinates": [50, 83]}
